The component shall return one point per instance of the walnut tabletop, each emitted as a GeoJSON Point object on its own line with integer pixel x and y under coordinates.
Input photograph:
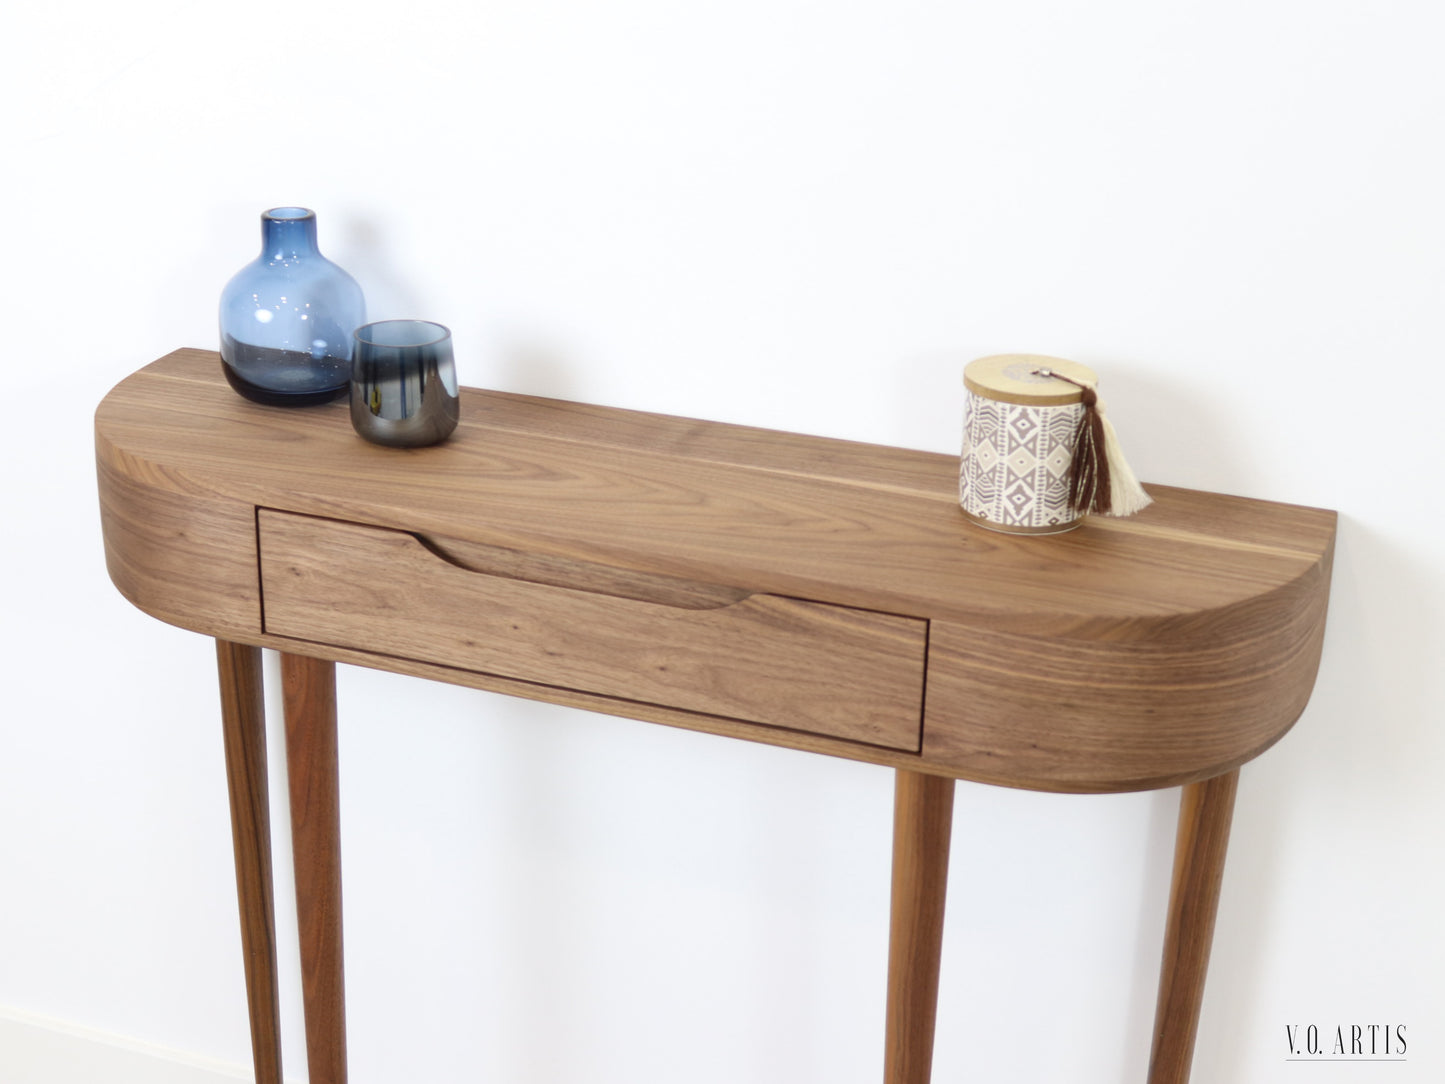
{"type": "Point", "coordinates": [808, 592]}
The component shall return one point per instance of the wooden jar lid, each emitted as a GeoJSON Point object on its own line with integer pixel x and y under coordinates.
{"type": "Point", "coordinates": [1011, 378]}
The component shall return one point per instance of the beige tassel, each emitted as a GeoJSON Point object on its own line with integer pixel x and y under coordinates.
{"type": "Point", "coordinates": [1126, 495]}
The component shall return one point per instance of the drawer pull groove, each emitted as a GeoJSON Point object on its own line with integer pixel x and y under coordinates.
{"type": "Point", "coordinates": [579, 575]}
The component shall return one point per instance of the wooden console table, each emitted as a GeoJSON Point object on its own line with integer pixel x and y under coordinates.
{"type": "Point", "coordinates": [811, 593]}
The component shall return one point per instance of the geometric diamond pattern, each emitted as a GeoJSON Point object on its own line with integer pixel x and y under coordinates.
{"type": "Point", "coordinates": [987, 456]}
{"type": "Point", "coordinates": [1021, 462]}
{"type": "Point", "coordinates": [1059, 460]}
{"type": "Point", "coordinates": [1014, 470]}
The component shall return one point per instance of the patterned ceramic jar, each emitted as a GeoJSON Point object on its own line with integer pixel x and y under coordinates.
{"type": "Point", "coordinates": [1019, 429]}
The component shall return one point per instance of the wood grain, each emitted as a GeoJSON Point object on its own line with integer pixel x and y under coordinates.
{"type": "Point", "coordinates": [309, 694]}
{"type": "Point", "coordinates": [180, 556]}
{"type": "Point", "coordinates": [243, 722]}
{"type": "Point", "coordinates": [618, 706]}
{"type": "Point", "coordinates": [1069, 713]}
{"type": "Point", "coordinates": [1205, 813]}
{"type": "Point", "coordinates": [922, 826]}
{"type": "Point", "coordinates": [784, 662]}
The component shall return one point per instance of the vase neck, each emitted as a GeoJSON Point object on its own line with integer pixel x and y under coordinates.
{"type": "Point", "coordinates": [288, 233]}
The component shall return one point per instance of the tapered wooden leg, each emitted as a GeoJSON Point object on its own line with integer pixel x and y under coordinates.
{"type": "Point", "coordinates": [309, 694]}
{"type": "Point", "coordinates": [243, 720]}
{"type": "Point", "coordinates": [922, 824]}
{"type": "Point", "coordinates": [1205, 811]}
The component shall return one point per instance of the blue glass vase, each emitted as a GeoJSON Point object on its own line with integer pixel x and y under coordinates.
{"type": "Point", "coordinates": [287, 317]}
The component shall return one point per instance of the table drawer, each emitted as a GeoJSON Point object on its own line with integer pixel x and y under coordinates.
{"type": "Point", "coordinates": [785, 662]}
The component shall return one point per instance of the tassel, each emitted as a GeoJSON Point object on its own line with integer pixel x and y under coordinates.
{"type": "Point", "coordinates": [1126, 495]}
{"type": "Point", "coordinates": [1089, 489]}
{"type": "Point", "coordinates": [1100, 480]}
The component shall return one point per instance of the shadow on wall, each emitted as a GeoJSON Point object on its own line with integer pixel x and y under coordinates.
{"type": "Point", "coordinates": [364, 247]}
{"type": "Point", "coordinates": [536, 368]}
{"type": "Point", "coordinates": [527, 362]}
{"type": "Point", "coordinates": [1174, 432]}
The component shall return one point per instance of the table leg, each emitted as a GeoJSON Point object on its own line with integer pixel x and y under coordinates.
{"type": "Point", "coordinates": [309, 694]}
{"type": "Point", "coordinates": [922, 823]}
{"type": "Point", "coordinates": [243, 720]}
{"type": "Point", "coordinates": [1205, 811]}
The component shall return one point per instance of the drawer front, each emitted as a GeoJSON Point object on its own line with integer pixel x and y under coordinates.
{"type": "Point", "coordinates": [808, 666]}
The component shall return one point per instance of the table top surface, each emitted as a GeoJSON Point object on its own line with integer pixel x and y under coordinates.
{"type": "Point", "coordinates": [846, 522]}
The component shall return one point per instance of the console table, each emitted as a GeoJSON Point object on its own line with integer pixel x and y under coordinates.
{"type": "Point", "coordinates": [817, 594]}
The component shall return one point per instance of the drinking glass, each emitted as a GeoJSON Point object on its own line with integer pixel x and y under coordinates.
{"type": "Point", "coordinates": [404, 383]}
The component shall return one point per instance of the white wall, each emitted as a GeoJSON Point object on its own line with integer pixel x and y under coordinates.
{"type": "Point", "coordinates": [793, 214]}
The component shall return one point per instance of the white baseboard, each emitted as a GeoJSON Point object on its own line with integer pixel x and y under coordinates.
{"type": "Point", "coordinates": [38, 1050]}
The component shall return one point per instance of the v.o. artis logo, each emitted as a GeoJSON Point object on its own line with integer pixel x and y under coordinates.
{"type": "Point", "coordinates": [1346, 1042]}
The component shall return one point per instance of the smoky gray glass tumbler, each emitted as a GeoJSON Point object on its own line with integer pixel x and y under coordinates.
{"type": "Point", "coordinates": [404, 383]}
